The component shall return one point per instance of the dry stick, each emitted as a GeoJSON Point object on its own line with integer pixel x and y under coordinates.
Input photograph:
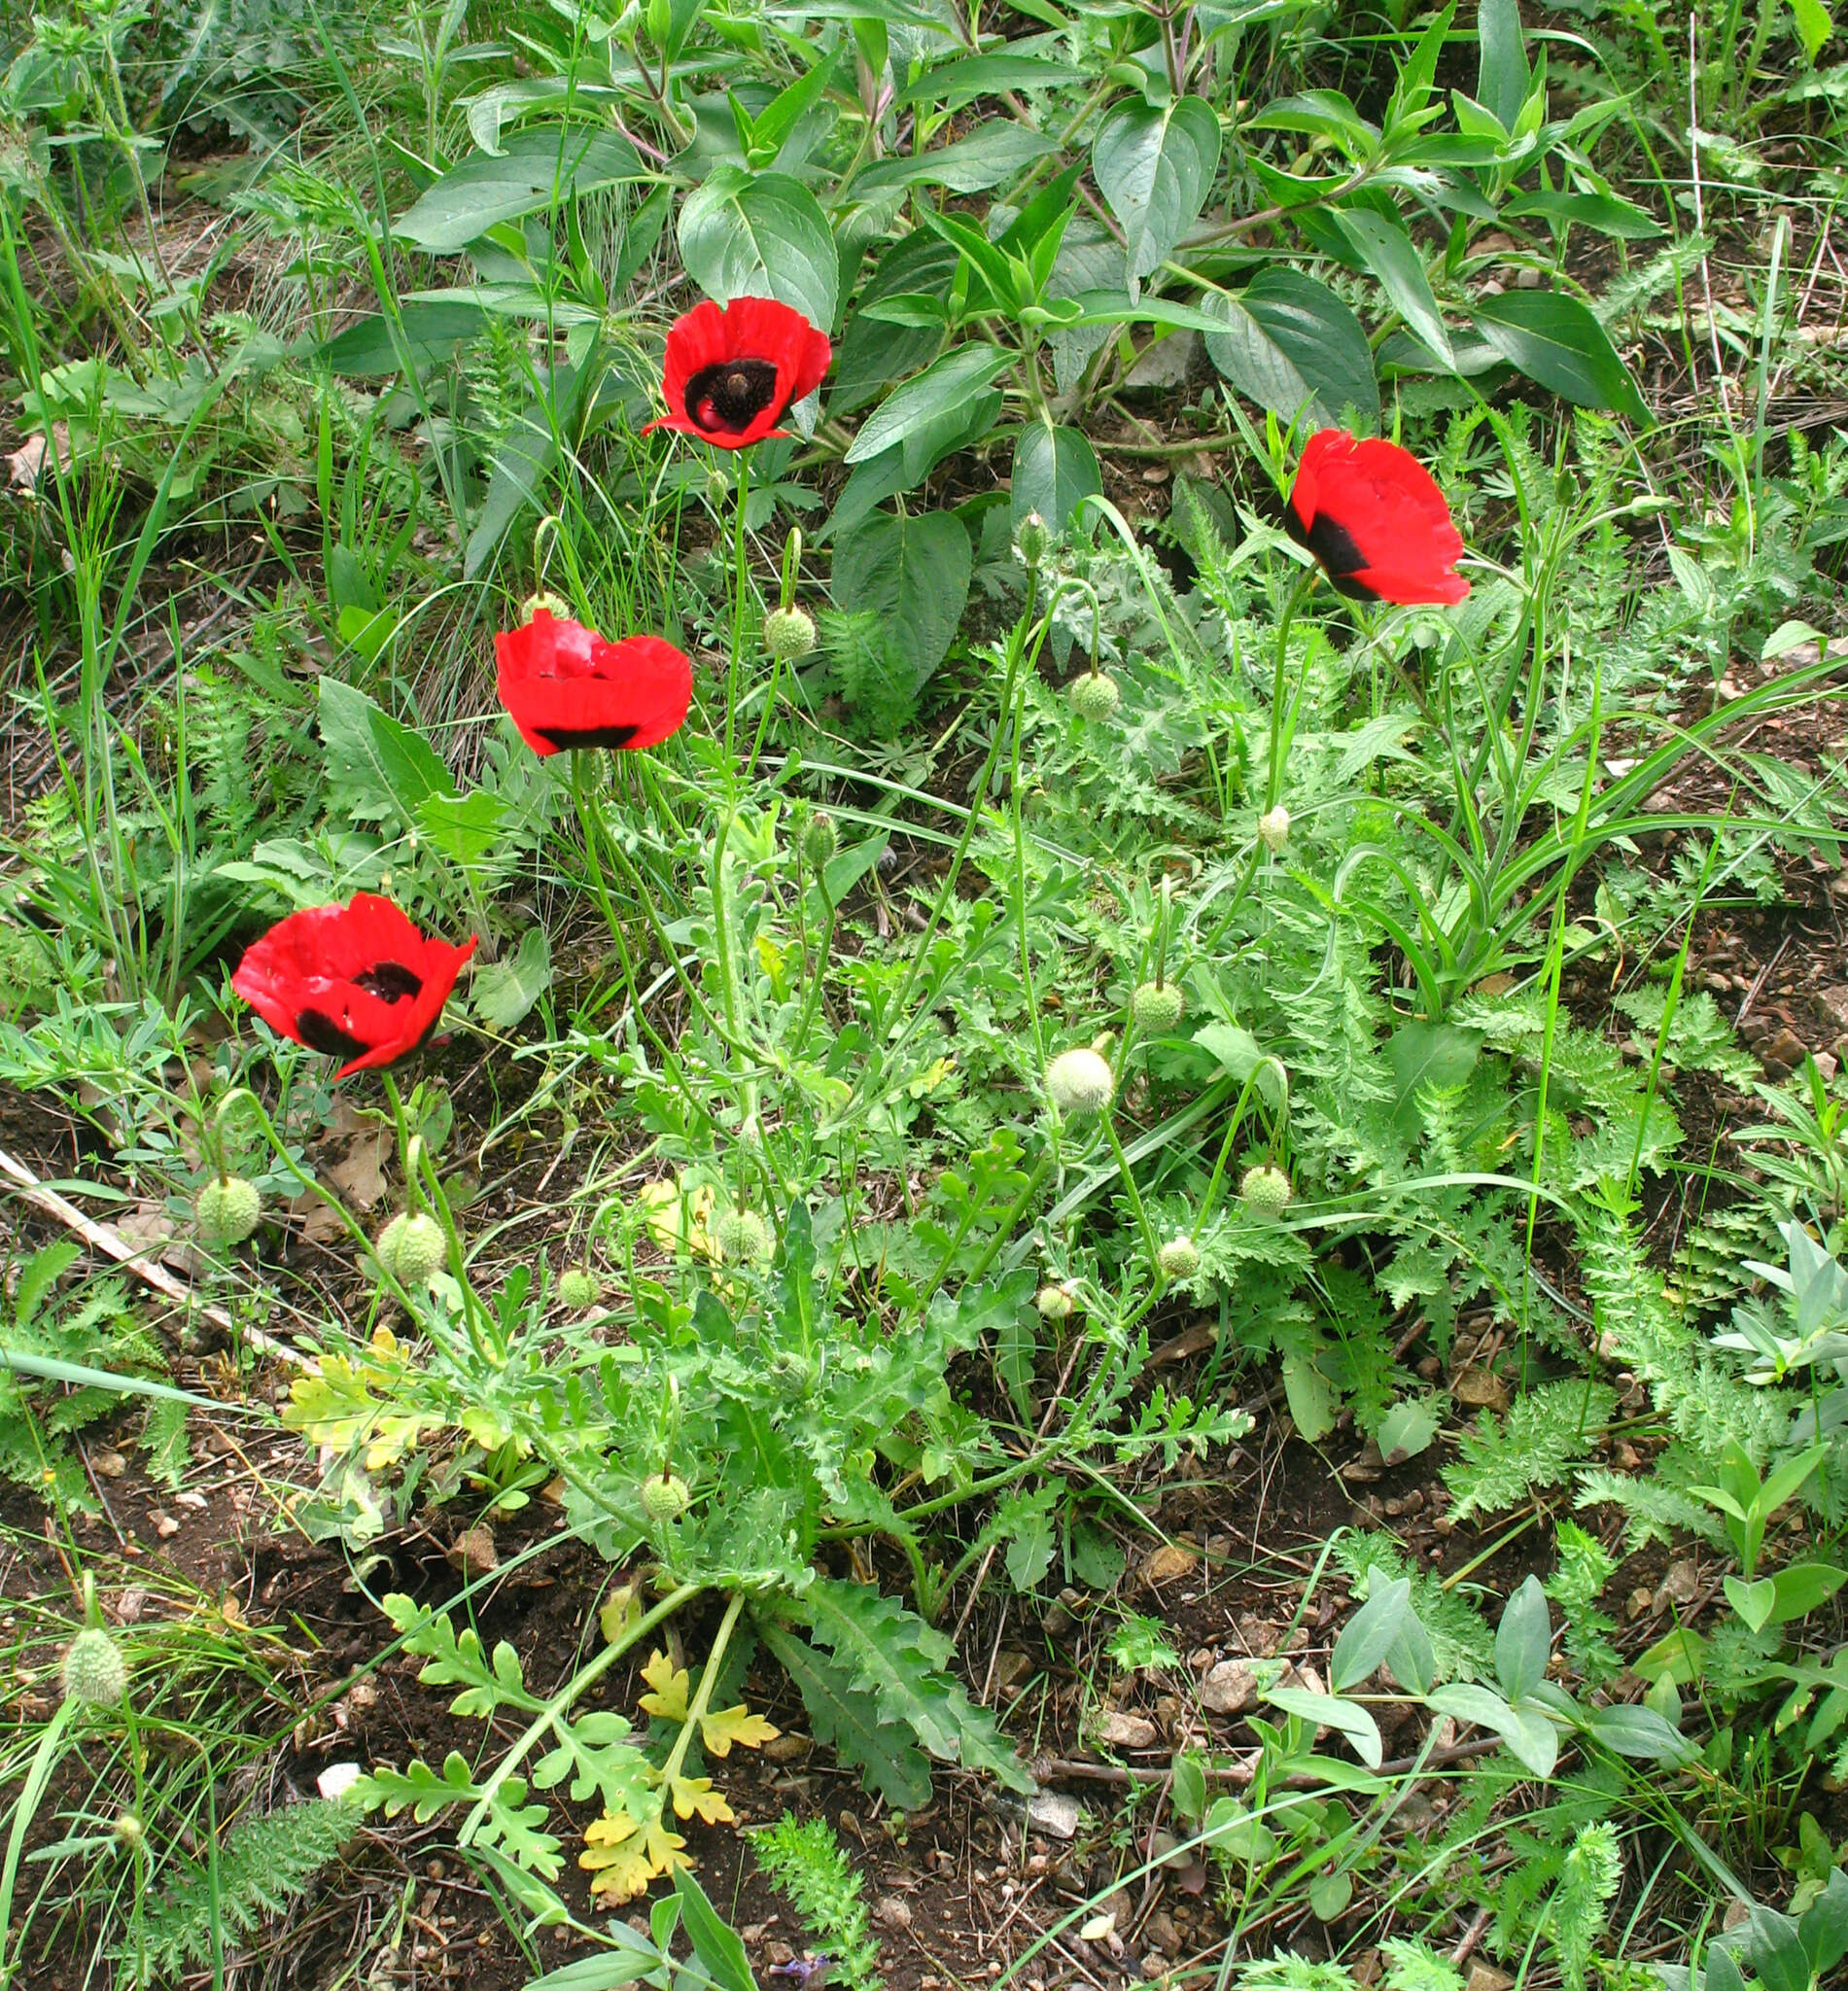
{"type": "Point", "coordinates": [110, 1241]}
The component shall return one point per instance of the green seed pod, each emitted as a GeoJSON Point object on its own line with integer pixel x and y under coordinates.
{"type": "Point", "coordinates": [1054, 1304]}
{"type": "Point", "coordinates": [578, 1288]}
{"type": "Point", "coordinates": [225, 1210]}
{"type": "Point", "coordinates": [130, 1833]}
{"type": "Point", "coordinates": [1079, 1083]}
{"type": "Point", "coordinates": [559, 610]}
{"type": "Point", "coordinates": [1093, 696]}
{"type": "Point", "coordinates": [741, 1237]}
{"type": "Point", "coordinates": [411, 1248]}
{"type": "Point", "coordinates": [1156, 1007]}
{"type": "Point", "coordinates": [1266, 1190]}
{"type": "Point", "coordinates": [788, 634]}
{"type": "Point", "coordinates": [665, 1496]}
{"type": "Point", "coordinates": [1179, 1258]}
{"type": "Point", "coordinates": [93, 1668]}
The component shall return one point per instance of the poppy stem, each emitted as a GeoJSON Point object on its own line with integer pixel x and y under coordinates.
{"type": "Point", "coordinates": [1281, 733]}
{"type": "Point", "coordinates": [738, 615]}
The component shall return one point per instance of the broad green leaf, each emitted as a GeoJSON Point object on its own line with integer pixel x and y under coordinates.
{"type": "Point", "coordinates": [1408, 1428]}
{"type": "Point", "coordinates": [1814, 25]}
{"type": "Point", "coordinates": [1442, 1055]}
{"type": "Point", "coordinates": [1387, 250]}
{"type": "Point", "coordinates": [847, 1720]}
{"type": "Point", "coordinates": [1801, 1588]}
{"type": "Point", "coordinates": [760, 235]}
{"type": "Point", "coordinates": [952, 85]}
{"type": "Point", "coordinates": [937, 392]}
{"type": "Point", "coordinates": [991, 155]}
{"type": "Point", "coordinates": [1292, 346]}
{"type": "Point", "coordinates": [716, 1942]}
{"type": "Point", "coordinates": [376, 765]}
{"type": "Point", "coordinates": [913, 571]}
{"type": "Point", "coordinates": [907, 464]}
{"type": "Point", "coordinates": [1825, 1925]}
{"type": "Point", "coordinates": [1754, 1601]}
{"type": "Point", "coordinates": [1330, 1894]}
{"type": "Point", "coordinates": [505, 989]}
{"type": "Point", "coordinates": [1638, 1731]}
{"type": "Point", "coordinates": [1555, 340]}
{"type": "Point", "coordinates": [1605, 213]}
{"type": "Point", "coordinates": [873, 353]}
{"type": "Point", "coordinates": [1311, 1402]}
{"type": "Point", "coordinates": [1501, 76]}
{"type": "Point", "coordinates": [1055, 470]}
{"type": "Point", "coordinates": [542, 165]}
{"type": "Point", "coordinates": [1329, 1710]}
{"type": "Point", "coordinates": [1523, 1641]}
{"type": "Point", "coordinates": [1370, 1633]}
{"type": "Point", "coordinates": [429, 332]}
{"type": "Point", "coordinates": [1155, 168]}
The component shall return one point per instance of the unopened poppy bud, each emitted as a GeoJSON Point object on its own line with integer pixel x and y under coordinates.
{"type": "Point", "coordinates": [1079, 1083]}
{"type": "Point", "coordinates": [130, 1833]}
{"type": "Point", "coordinates": [1179, 1258]}
{"type": "Point", "coordinates": [820, 841]}
{"type": "Point", "coordinates": [578, 1288]}
{"type": "Point", "coordinates": [1156, 1007]}
{"type": "Point", "coordinates": [741, 1237]}
{"type": "Point", "coordinates": [225, 1210]}
{"type": "Point", "coordinates": [1032, 542]}
{"type": "Point", "coordinates": [559, 610]}
{"type": "Point", "coordinates": [1054, 1304]}
{"type": "Point", "coordinates": [411, 1248]}
{"type": "Point", "coordinates": [665, 1497]}
{"type": "Point", "coordinates": [94, 1669]}
{"type": "Point", "coordinates": [1266, 1190]}
{"type": "Point", "coordinates": [1274, 827]}
{"type": "Point", "coordinates": [1095, 696]}
{"type": "Point", "coordinates": [788, 634]}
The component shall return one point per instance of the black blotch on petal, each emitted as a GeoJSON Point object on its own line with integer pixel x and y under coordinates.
{"type": "Point", "coordinates": [320, 1032]}
{"type": "Point", "coordinates": [587, 736]}
{"type": "Point", "coordinates": [1335, 546]}
{"type": "Point", "coordinates": [391, 982]}
{"type": "Point", "coordinates": [731, 395]}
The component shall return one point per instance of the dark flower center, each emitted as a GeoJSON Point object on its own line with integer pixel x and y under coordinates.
{"type": "Point", "coordinates": [322, 1034]}
{"type": "Point", "coordinates": [562, 736]}
{"type": "Point", "coordinates": [390, 982]}
{"type": "Point", "coordinates": [731, 395]}
{"type": "Point", "coordinates": [1335, 546]}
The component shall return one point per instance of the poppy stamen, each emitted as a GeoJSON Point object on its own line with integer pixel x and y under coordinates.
{"type": "Point", "coordinates": [731, 395]}
{"type": "Point", "coordinates": [391, 982]}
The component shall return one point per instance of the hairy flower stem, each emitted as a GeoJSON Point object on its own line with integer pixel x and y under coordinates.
{"type": "Point", "coordinates": [702, 1695]}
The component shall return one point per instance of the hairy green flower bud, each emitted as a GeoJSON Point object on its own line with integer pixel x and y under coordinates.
{"type": "Point", "coordinates": [559, 610]}
{"type": "Point", "coordinates": [1079, 1083]}
{"type": "Point", "coordinates": [1274, 827]}
{"type": "Point", "coordinates": [818, 842]}
{"type": "Point", "coordinates": [741, 1237]}
{"type": "Point", "coordinates": [788, 634]}
{"type": "Point", "coordinates": [1266, 1190]}
{"type": "Point", "coordinates": [578, 1288]}
{"type": "Point", "coordinates": [1032, 542]}
{"type": "Point", "coordinates": [411, 1248]}
{"type": "Point", "coordinates": [130, 1833]}
{"type": "Point", "coordinates": [225, 1210]}
{"type": "Point", "coordinates": [665, 1496]}
{"type": "Point", "coordinates": [1054, 1304]}
{"type": "Point", "coordinates": [94, 1669]}
{"type": "Point", "coordinates": [1179, 1258]}
{"type": "Point", "coordinates": [1156, 1007]}
{"type": "Point", "coordinates": [1093, 696]}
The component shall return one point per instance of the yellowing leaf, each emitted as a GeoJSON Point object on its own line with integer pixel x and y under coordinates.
{"type": "Point", "coordinates": [622, 1610]}
{"type": "Point", "coordinates": [695, 1797]}
{"type": "Point", "coordinates": [669, 1699]}
{"type": "Point", "coordinates": [622, 1857]}
{"type": "Point", "coordinates": [730, 1724]}
{"type": "Point", "coordinates": [676, 1222]}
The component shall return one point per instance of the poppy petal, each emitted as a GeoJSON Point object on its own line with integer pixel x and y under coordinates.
{"type": "Point", "coordinates": [730, 376]}
{"type": "Point", "coordinates": [1370, 513]}
{"type": "Point", "coordinates": [564, 685]}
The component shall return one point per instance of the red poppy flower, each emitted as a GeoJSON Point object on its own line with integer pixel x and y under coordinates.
{"type": "Point", "coordinates": [1369, 514]}
{"type": "Point", "coordinates": [565, 686]}
{"type": "Point", "coordinates": [732, 374]}
{"type": "Point", "coordinates": [356, 981]}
